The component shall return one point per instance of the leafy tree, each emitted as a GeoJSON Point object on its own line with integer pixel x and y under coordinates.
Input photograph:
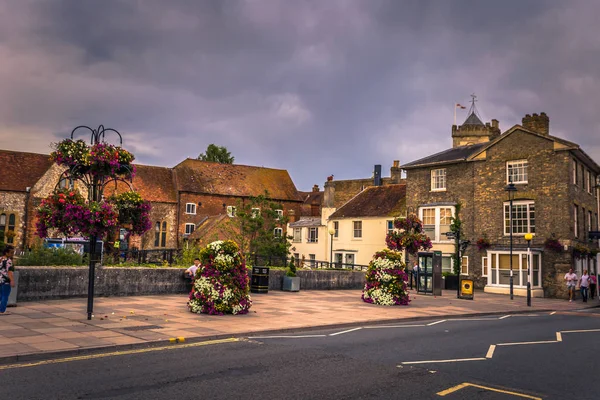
{"type": "Point", "coordinates": [218, 154]}
{"type": "Point", "coordinates": [259, 227]}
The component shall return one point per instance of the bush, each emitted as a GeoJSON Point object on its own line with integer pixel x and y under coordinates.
{"type": "Point", "coordinates": [43, 256]}
{"type": "Point", "coordinates": [291, 269]}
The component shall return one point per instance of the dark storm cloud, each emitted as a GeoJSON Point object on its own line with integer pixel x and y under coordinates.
{"type": "Point", "coordinates": [315, 87]}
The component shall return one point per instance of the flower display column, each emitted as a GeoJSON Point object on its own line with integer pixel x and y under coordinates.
{"type": "Point", "coordinates": [386, 276]}
{"type": "Point", "coordinates": [94, 166]}
{"type": "Point", "coordinates": [221, 285]}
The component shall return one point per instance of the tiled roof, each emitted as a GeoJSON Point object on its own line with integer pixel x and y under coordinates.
{"type": "Point", "coordinates": [460, 153]}
{"type": "Point", "coordinates": [375, 201]}
{"type": "Point", "coordinates": [154, 184]}
{"type": "Point", "coordinates": [473, 119]}
{"type": "Point", "coordinates": [315, 198]}
{"type": "Point", "coordinates": [234, 180]}
{"type": "Point", "coordinates": [306, 221]}
{"type": "Point", "coordinates": [18, 170]}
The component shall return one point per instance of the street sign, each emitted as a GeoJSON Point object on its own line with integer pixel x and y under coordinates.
{"type": "Point", "coordinates": [450, 235]}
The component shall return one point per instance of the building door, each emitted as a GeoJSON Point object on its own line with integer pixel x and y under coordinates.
{"type": "Point", "coordinates": [349, 260]}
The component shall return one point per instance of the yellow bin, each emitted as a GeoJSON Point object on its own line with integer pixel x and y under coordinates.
{"type": "Point", "coordinates": [466, 289]}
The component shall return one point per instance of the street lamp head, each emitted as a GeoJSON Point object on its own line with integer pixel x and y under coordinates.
{"type": "Point", "coordinates": [511, 189]}
{"type": "Point", "coordinates": [331, 231]}
{"type": "Point", "coordinates": [528, 237]}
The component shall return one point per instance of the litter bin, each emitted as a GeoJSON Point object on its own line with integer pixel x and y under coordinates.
{"type": "Point", "coordinates": [12, 299]}
{"type": "Point", "coordinates": [260, 280]}
{"type": "Point", "coordinates": [466, 289]}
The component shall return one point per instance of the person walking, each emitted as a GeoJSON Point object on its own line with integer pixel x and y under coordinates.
{"type": "Point", "coordinates": [416, 275]}
{"type": "Point", "coordinates": [593, 285]}
{"type": "Point", "coordinates": [7, 281]}
{"type": "Point", "coordinates": [571, 279]}
{"type": "Point", "coordinates": [584, 285]}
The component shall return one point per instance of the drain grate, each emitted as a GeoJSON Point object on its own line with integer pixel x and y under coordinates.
{"type": "Point", "coordinates": [141, 328]}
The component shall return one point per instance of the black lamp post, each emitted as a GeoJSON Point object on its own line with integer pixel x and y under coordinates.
{"type": "Point", "coordinates": [511, 189]}
{"type": "Point", "coordinates": [95, 184]}
{"type": "Point", "coordinates": [528, 237]}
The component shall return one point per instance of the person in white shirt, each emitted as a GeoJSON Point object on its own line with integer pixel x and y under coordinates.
{"type": "Point", "coordinates": [191, 271]}
{"type": "Point", "coordinates": [584, 284]}
{"type": "Point", "coordinates": [571, 278]}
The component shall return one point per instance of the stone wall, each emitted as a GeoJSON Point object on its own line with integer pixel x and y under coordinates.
{"type": "Point", "coordinates": [14, 203]}
{"type": "Point", "coordinates": [47, 283]}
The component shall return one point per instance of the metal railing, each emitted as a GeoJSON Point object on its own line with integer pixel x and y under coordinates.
{"type": "Point", "coordinates": [156, 256]}
{"type": "Point", "coordinates": [279, 261]}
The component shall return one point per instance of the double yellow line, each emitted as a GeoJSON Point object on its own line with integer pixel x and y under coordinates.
{"type": "Point", "coordinates": [116, 353]}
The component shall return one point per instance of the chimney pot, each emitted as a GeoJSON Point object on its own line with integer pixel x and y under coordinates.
{"type": "Point", "coordinates": [315, 188]}
{"type": "Point", "coordinates": [396, 163]}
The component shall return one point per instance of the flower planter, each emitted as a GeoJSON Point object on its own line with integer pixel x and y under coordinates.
{"type": "Point", "coordinates": [451, 282]}
{"type": "Point", "coordinates": [291, 284]}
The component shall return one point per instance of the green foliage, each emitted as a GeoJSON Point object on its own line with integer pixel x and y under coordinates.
{"type": "Point", "coordinates": [43, 256]}
{"type": "Point", "coordinates": [254, 227]}
{"type": "Point", "coordinates": [291, 269]}
{"type": "Point", "coordinates": [218, 154]}
{"type": "Point", "coordinates": [456, 227]}
{"type": "Point", "coordinates": [188, 255]}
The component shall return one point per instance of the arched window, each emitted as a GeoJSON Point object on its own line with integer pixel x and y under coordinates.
{"type": "Point", "coordinates": [7, 227]}
{"type": "Point", "coordinates": [160, 234]}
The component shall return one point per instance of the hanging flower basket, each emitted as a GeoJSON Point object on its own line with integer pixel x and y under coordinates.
{"type": "Point", "coordinates": [386, 280]}
{"type": "Point", "coordinates": [553, 245]}
{"type": "Point", "coordinates": [106, 160]}
{"type": "Point", "coordinates": [60, 211]}
{"type": "Point", "coordinates": [134, 212]}
{"type": "Point", "coordinates": [580, 251]}
{"type": "Point", "coordinates": [483, 244]}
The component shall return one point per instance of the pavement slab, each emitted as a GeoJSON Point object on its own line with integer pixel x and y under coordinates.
{"type": "Point", "coordinates": [46, 328]}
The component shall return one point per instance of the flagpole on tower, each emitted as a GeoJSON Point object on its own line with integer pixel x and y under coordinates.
{"type": "Point", "coordinates": [457, 105]}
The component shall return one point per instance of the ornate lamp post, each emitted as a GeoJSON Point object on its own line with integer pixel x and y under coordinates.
{"type": "Point", "coordinates": [511, 189]}
{"type": "Point", "coordinates": [331, 233]}
{"type": "Point", "coordinates": [94, 166]}
{"type": "Point", "coordinates": [528, 237]}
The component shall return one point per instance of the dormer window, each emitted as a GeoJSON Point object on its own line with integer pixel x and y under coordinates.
{"type": "Point", "coordinates": [517, 172]}
{"type": "Point", "coordinates": [438, 179]}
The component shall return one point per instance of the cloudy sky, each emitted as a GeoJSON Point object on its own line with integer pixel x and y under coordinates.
{"type": "Point", "coordinates": [316, 87]}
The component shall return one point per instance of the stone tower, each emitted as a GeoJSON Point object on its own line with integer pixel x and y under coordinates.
{"type": "Point", "coordinates": [474, 131]}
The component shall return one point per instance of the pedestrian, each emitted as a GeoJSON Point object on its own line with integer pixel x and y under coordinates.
{"type": "Point", "coordinates": [191, 271]}
{"type": "Point", "coordinates": [584, 285]}
{"type": "Point", "coordinates": [571, 278]}
{"type": "Point", "coordinates": [7, 281]}
{"type": "Point", "coordinates": [416, 274]}
{"type": "Point", "coordinates": [593, 285]}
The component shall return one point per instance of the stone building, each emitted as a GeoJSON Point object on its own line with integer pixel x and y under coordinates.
{"type": "Point", "coordinates": [555, 199]}
{"type": "Point", "coordinates": [183, 198]}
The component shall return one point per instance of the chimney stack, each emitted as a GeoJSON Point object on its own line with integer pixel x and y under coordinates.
{"type": "Point", "coordinates": [395, 172]}
{"type": "Point", "coordinates": [315, 188]}
{"type": "Point", "coordinates": [329, 193]}
{"type": "Point", "coordinates": [537, 123]}
{"type": "Point", "coordinates": [377, 175]}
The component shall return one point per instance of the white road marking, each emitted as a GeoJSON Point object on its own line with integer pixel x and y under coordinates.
{"type": "Point", "coordinates": [558, 337]}
{"type": "Point", "coordinates": [506, 316]}
{"type": "Point", "coordinates": [582, 331]}
{"type": "Point", "coordinates": [342, 332]}
{"type": "Point", "coordinates": [526, 315]}
{"type": "Point", "coordinates": [490, 352]}
{"type": "Point", "coordinates": [472, 319]}
{"type": "Point", "coordinates": [436, 322]}
{"type": "Point", "coordinates": [392, 326]}
{"type": "Point", "coordinates": [522, 343]}
{"type": "Point", "coordinates": [553, 312]}
{"type": "Point", "coordinates": [285, 337]}
{"type": "Point", "coordinates": [443, 361]}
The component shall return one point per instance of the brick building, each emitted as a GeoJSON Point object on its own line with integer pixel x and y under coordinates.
{"type": "Point", "coordinates": [183, 198]}
{"type": "Point", "coordinates": [556, 198]}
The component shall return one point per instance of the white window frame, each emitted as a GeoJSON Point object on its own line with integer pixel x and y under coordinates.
{"type": "Point", "coordinates": [464, 263]}
{"type": "Point", "coordinates": [438, 180]}
{"type": "Point", "coordinates": [515, 165]}
{"type": "Point", "coordinates": [313, 260]}
{"type": "Point", "coordinates": [576, 220]}
{"type": "Point", "coordinates": [587, 181]}
{"type": "Point", "coordinates": [279, 214]}
{"type": "Point", "coordinates": [310, 238]}
{"type": "Point", "coordinates": [574, 172]}
{"type": "Point", "coordinates": [336, 228]}
{"type": "Point", "coordinates": [389, 230]}
{"type": "Point", "coordinates": [485, 266]}
{"type": "Point", "coordinates": [297, 235]}
{"type": "Point", "coordinates": [518, 269]}
{"type": "Point", "coordinates": [528, 203]}
{"type": "Point", "coordinates": [438, 236]}
{"type": "Point", "coordinates": [590, 227]}
{"type": "Point", "coordinates": [231, 211]}
{"type": "Point", "coordinates": [277, 232]}
{"type": "Point", "coordinates": [189, 231]}
{"type": "Point", "coordinates": [190, 208]}
{"type": "Point", "coordinates": [356, 230]}
{"type": "Point", "coordinates": [255, 212]}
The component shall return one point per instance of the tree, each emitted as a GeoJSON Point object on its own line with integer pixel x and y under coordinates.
{"type": "Point", "coordinates": [259, 227]}
{"type": "Point", "coordinates": [216, 153]}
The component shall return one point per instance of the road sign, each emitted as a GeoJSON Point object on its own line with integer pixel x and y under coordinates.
{"type": "Point", "coordinates": [450, 235]}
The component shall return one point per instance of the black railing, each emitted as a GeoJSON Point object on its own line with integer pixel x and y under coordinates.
{"type": "Point", "coordinates": [156, 256]}
{"type": "Point", "coordinates": [280, 261]}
